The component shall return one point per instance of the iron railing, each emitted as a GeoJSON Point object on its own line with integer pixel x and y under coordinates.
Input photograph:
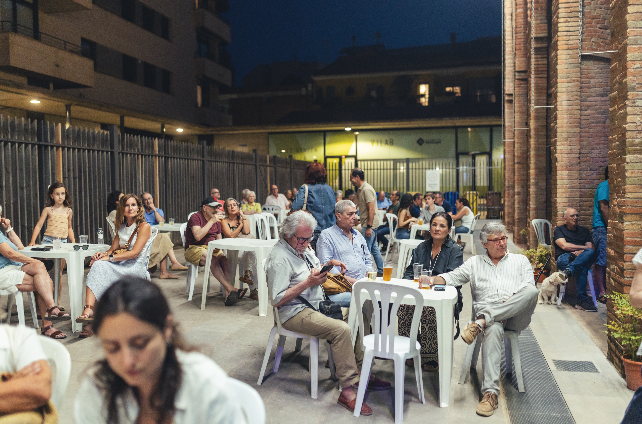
{"type": "Point", "coordinates": [50, 40]}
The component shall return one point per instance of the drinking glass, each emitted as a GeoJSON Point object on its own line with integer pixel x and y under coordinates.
{"type": "Point", "coordinates": [426, 273]}
{"type": "Point", "coordinates": [417, 271]}
{"type": "Point", "coordinates": [421, 222]}
{"type": "Point", "coordinates": [56, 243]}
{"type": "Point", "coordinates": [387, 273]}
{"type": "Point", "coordinates": [161, 223]}
{"type": "Point", "coordinates": [372, 275]}
{"type": "Point", "coordinates": [84, 239]}
{"type": "Point", "coordinates": [171, 221]}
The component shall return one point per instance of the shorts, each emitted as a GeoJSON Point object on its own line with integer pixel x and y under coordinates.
{"type": "Point", "coordinates": [599, 240]}
{"type": "Point", "coordinates": [194, 253]}
{"type": "Point", "coordinates": [50, 240]}
{"type": "Point", "coordinates": [10, 277]}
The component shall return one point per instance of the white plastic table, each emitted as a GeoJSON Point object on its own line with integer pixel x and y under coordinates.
{"type": "Point", "coordinates": [233, 246]}
{"type": "Point", "coordinates": [75, 272]}
{"type": "Point", "coordinates": [416, 227]}
{"type": "Point", "coordinates": [166, 228]}
{"type": "Point", "coordinates": [443, 302]}
{"type": "Point", "coordinates": [405, 251]}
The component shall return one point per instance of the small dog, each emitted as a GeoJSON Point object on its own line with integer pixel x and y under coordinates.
{"type": "Point", "coordinates": [548, 291]}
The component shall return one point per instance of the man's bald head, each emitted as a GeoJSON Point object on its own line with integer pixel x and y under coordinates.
{"type": "Point", "coordinates": [572, 217]}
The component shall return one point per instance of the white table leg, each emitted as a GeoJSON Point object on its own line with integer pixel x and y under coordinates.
{"type": "Point", "coordinates": [233, 260]}
{"type": "Point", "coordinates": [75, 273]}
{"type": "Point", "coordinates": [445, 349]}
{"type": "Point", "coordinates": [206, 274]}
{"type": "Point", "coordinates": [56, 287]}
{"type": "Point", "coordinates": [261, 253]}
{"type": "Point", "coordinates": [401, 262]}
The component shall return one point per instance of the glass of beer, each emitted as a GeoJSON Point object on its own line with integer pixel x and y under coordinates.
{"type": "Point", "coordinates": [387, 273]}
{"type": "Point", "coordinates": [417, 271]}
{"type": "Point", "coordinates": [171, 221]}
{"type": "Point", "coordinates": [426, 274]}
{"type": "Point", "coordinates": [372, 275]}
{"type": "Point", "coordinates": [421, 222]}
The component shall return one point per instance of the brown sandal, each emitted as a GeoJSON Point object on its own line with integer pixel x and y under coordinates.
{"type": "Point", "coordinates": [60, 316]}
{"type": "Point", "coordinates": [56, 335]}
{"type": "Point", "coordinates": [86, 332]}
{"type": "Point", "coordinates": [84, 317]}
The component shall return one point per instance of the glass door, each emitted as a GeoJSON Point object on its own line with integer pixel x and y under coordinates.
{"type": "Point", "coordinates": [338, 168]}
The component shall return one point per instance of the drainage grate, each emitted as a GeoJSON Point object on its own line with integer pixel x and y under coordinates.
{"type": "Point", "coordinates": [575, 366]}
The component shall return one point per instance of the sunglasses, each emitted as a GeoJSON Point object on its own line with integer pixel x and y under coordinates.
{"type": "Point", "coordinates": [83, 247]}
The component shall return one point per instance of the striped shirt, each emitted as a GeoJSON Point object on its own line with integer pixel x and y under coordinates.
{"type": "Point", "coordinates": [334, 244]}
{"type": "Point", "coordinates": [490, 283]}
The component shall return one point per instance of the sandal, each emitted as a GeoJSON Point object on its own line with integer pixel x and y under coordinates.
{"type": "Point", "coordinates": [62, 309]}
{"type": "Point", "coordinates": [232, 298]}
{"type": "Point", "coordinates": [56, 335]}
{"type": "Point", "coordinates": [84, 317]}
{"type": "Point", "coordinates": [241, 293]}
{"type": "Point", "coordinates": [602, 299]}
{"type": "Point", "coordinates": [86, 332]}
{"type": "Point", "coordinates": [430, 366]}
{"type": "Point", "coordinates": [60, 316]}
{"type": "Point", "coordinates": [254, 294]}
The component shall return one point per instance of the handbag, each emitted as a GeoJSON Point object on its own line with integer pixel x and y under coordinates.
{"type": "Point", "coordinates": [126, 248]}
{"type": "Point", "coordinates": [326, 307]}
{"type": "Point", "coordinates": [305, 203]}
{"type": "Point", "coordinates": [335, 284]}
{"type": "Point", "coordinates": [457, 223]}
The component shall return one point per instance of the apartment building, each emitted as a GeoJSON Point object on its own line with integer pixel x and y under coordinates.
{"type": "Point", "coordinates": [149, 66]}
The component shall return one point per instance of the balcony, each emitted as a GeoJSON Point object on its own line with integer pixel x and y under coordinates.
{"type": "Point", "coordinates": [211, 117]}
{"type": "Point", "coordinates": [206, 67]}
{"type": "Point", "coordinates": [63, 6]}
{"type": "Point", "coordinates": [45, 57]}
{"type": "Point", "coordinates": [206, 19]}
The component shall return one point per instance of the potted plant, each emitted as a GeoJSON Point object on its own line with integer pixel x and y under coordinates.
{"type": "Point", "coordinates": [538, 258]}
{"type": "Point", "coordinates": [628, 333]}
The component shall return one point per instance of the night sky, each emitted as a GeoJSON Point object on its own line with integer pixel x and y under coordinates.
{"type": "Point", "coordinates": [266, 31]}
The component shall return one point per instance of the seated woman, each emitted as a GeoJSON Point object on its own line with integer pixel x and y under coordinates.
{"type": "Point", "coordinates": [465, 214]}
{"type": "Point", "coordinates": [439, 254]}
{"type": "Point", "coordinates": [236, 225]}
{"type": "Point", "coordinates": [405, 219]}
{"type": "Point", "coordinates": [149, 375]}
{"type": "Point", "coordinates": [251, 207]}
{"type": "Point", "coordinates": [290, 197]}
{"type": "Point", "coordinates": [106, 268]}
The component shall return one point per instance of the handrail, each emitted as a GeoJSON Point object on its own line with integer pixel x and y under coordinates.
{"type": "Point", "coordinates": [50, 40]}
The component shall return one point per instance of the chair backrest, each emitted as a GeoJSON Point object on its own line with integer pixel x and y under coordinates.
{"type": "Point", "coordinates": [112, 227]}
{"type": "Point", "coordinates": [271, 208]}
{"type": "Point", "coordinates": [148, 247]}
{"type": "Point", "coordinates": [182, 230]}
{"type": "Point", "coordinates": [250, 401]}
{"type": "Point", "coordinates": [472, 226]}
{"type": "Point", "coordinates": [271, 221]}
{"type": "Point", "coordinates": [384, 328]}
{"type": "Point", "coordinates": [392, 218]}
{"type": "Point", "coordinates": [190, 215]}
{"type": "Point", "coordinates": [263, 227]}
{"type": "Point", "coordinates": [60, 364]}
{"type": "Point", "coordinates": [541, 226]}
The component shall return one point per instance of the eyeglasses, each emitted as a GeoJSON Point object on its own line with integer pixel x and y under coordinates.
{"type": "Point", "coordinates": [83, 247]}
{"type": "Point", "coordinates": [303, 240]}
{"type": "Point", "coordinates": [577, 215]}
{"type": "Point", "coordinates": [499, 240]}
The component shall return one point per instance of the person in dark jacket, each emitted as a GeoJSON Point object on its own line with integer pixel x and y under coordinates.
{"type": "Point", "coordinates": [440, 254]}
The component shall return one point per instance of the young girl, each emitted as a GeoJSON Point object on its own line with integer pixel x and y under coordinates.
{"type": "Point", "coordinates": [58, 214]}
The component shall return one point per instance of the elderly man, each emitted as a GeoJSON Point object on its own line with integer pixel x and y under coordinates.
{"type": "Point", "coordinates": [574, 255]}
{"type": "Point", "coordinates": [504, 297]}
{"type": "Point", "coordinates": [162, 248]}
{"type": "Point", "coordinates": [275, 198]}
{"type": "Point", "coordinates": [367, 197]}
{"type": "Point", "coordinates": [343, 243]}
{"type": "Point", "coordinates": [203, 227]}
{"type": "Point", "coordinates": [294, 284]}
{"type": "Point", "coordinates": [382, 201]}
{"type": "Point", "coordinates": [18, 271]}
{"type": "Point", "coordinates": [21, 355]}
{"type": "Point", "coordinates": [440, 201]}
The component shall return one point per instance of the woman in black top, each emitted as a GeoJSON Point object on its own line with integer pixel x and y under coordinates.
{"type": "Point", "coordinates": [440, 254]}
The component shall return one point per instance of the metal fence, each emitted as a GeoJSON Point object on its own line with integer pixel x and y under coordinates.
{"type": "Point", "coordinates": [94, 162]}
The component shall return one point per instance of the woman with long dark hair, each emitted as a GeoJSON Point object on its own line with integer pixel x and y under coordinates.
{"type": "Point", "coordinates": [112, 205]}
{"type": "Point", "coordinates": [405, 219]}
{"type": "Point", "coordinates": [149, 374]}
{"type": "Point", "coordinates": [439, 254]}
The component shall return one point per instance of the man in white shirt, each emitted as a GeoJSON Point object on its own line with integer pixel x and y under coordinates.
{"type": "Point", "coordinates": [276, 198]}
{"type": "Point", "coordinates": [504, 297]}
{"type": "Point", "coordinates": [21, 355]}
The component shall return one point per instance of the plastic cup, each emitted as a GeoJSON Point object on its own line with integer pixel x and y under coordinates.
{"type": "Point", "coordinates": [426, 274]}
{"type": "Point", "coordinates": [417, 268]}
{"type": "Point", "coordinates": [56, 243]}
{"type": "Point", "coordinates": [84, 239]}
{"type": "Point", "coordinates": [372, 275]}
{"type": "Point", "coordinates": [387, 273]}
{"type": "Point", "coordinates": [161, 223]}
{"type": "Point", "coordinates": [171, 221]}
{"type": "Point", "coordinates": [421, 222]}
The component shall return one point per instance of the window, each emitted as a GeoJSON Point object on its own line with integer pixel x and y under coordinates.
{"type": "Point", "coordinates": [199, 92]}
{"type": "Point", "coordinates": [149, 19]}
{"type": "Point", "coordinates": [167, 81]}
{"type": "Point", "coordinates": [129, 68]}
{"type": "Point", "coordinates": [202, 45]}
{"type": "Point", "coordinates": [482, 90]}
{"type": "Point", "coordinates": [329, 92]}
{"type": "Point", "coordinates": [165, 27]}
{"type": "Point", "coordinates": [349, 91]}
{"type": "Point", "coordinates": [128, 10]}
{"type": "Point", "coordinates": [453, 91]}
{"type": "Point", "coordinates": [423, 94]}
{"type": "Point", "coordinates": [149, 75]}
{"type": "Point", "coordinates": [20, 16]}
{"type": "Point", "coordinates": [88, 49]}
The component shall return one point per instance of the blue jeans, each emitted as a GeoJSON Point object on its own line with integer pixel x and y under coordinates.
{"type": "Point", "coordinates": [579, 267]}
{"type": "Point", "coordinates": [371, 242]}
{"type": "Point", "coordinates": [382, 231]}
{"type": "Point", "coordinates": [403, 234]}
{"type": "Point", "coordinates": [461, 230]}
{"type": "Point", "coordinates": [599, 241]}
{"type": "Point", "coordinates": [342, 299]}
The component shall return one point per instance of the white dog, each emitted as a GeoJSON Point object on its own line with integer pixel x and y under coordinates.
{"type": "Point", "coordinates": [548, 291]}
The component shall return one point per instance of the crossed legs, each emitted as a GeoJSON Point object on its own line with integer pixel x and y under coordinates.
{"type": "Point", "coordinates": [37, 280]}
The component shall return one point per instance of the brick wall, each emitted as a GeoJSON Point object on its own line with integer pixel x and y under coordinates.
{"type": "Point", "coordinates": [509, 115]}
{"type": "Point", "coordinates": [521, 119]}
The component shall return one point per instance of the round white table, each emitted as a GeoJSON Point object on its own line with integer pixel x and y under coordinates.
{"type": "Point", "coordinates": [75, 272]}
{"type": "Point", "coordinates": [234, 246]}
{"type": "Point", "coordinates": [443, 302]}
{"type": "Point", "coordinates": [166, 228]}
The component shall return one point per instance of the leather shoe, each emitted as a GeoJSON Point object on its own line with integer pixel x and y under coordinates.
{"type": "Point", "coordinates": [350, 404]}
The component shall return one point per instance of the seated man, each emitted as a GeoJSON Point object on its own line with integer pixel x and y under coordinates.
{"type": "Point", "coordinates": [382, 202]}
{"type": "Point", "coordinates": [574, 255]}
{"type": "Point", "coordinates": [504, 297]}
{"type": "Point", "coordinates": [276, 198]}
{"type": "Point", "coordinates": [162, 248]}
{"type": "Point", "coordinates": [343, 243]}
{"type": "Point", "coordinates": [292, 277]}
{"type": "Point", "coordinates": [18, 271]}
{"type": "Point", "coordinates": [203, 227]}
{"type": "Point", "coordinates": [21, 356]}
{"type": "Point", "coordinates": [417, 204]}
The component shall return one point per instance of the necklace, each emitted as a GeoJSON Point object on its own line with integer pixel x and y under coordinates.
{"type": "Point", "coordinates": [433, 262]}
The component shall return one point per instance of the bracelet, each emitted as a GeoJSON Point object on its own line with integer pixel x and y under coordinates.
{"type": "Point", "coordinates": [9, 230]}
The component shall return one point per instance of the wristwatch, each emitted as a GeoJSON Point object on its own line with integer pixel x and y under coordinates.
{"type": "Point", "coordinates": [368, 226]}
{"type": "Point", "coordinates": [111, 258]}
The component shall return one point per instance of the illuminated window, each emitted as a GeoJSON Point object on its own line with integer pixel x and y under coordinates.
{"type": "Point", "coordinates": [423, 93]}
{"type": "Point", "coordinates": [456, 91]}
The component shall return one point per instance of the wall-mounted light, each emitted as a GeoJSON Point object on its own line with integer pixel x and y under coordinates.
{"type": "Point", "coordinates": [356, 132]}
{"type": "Point", "coordinates": [282, 151]}
{"type": "Point", "coordinates": [348, 128]}
{"type": "Point", "coordinates": [35, 102]}
{"type": "Point", "coordinates": [179, 130]}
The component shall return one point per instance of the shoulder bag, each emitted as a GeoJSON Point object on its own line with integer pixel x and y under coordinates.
{"type": "Point", "coordinates": [335, 284]}
{"type": "Point", "coordinates": [326, 307]}
{"type": "Point", "coordinates": [126, 248]}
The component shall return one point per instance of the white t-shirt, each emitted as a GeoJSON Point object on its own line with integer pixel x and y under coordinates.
{"type": "Point", "coordinates": [19, 347]}
{"type": "Point", "coordinates": [280, 201]}
{"type": "Point", "coordinates": [203, 397]}
{"type": "Point", "coordinates": [467, 220]}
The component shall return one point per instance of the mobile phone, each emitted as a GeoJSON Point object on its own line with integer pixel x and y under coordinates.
{"type": "Point", "coordinates": [326, 268]}
{"type": "Point", "coordinates": [439, 288]}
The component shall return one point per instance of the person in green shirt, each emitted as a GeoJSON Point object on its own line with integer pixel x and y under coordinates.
{"type": "Point", "coordinates": [251, 207]}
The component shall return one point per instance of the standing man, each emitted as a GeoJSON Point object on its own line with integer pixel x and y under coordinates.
{"type": "Point", "coordinates": [384, 228]}
{"type": "Point", "coordinates": [440, 201]}
{"type": "Point", "coordinates": [366, 197]}
{"type": "Point", "coordinates": [574, 255]}
{"type": "Point", "coordinates": [600, 221]}
{"type": "Point", "coordinates": [275, 198]}
{"type": "Point", "coordinates": [382, 202]}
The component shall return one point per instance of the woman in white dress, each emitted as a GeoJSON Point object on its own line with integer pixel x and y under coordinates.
{"type": "Point", "coordinates": [133, 235]}
{"type": "Point", "coordinates": [149, 375]}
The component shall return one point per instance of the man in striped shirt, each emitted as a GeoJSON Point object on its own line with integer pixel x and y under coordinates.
{"type": "Point", "coordinates": [504, 297]}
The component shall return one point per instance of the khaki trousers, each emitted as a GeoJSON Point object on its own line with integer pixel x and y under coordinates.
{"type": "Point", "coordinates": [337, 332]}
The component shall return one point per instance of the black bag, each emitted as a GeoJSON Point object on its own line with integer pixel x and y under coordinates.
{"type": "Point", "coordinates": [326, 307]}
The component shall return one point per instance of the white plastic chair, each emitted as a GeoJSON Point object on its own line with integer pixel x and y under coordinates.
{"type": "Point", "coordinates": [271, 209]}
{"type": "Point", "coordinates": [272, 223]}
{"type": "Point", "coordinates": [192, 270]}
{"type": "Point", "coordinates": [60, 363]}
{"type": "Point", "coordinates": [511, 345]}
{"type": "Point", "coordinates": [20, 306]}
{"type": "Point", "coordinates": [147, 250]}
{"type": "Point", "coordinates": [541, 226]}
{"type": "Point", "coordinates": [385, 343]}
{"type": "Point", "coordinates": [392, 219]}
{"type": "Point", "coordinates": [112, 227]}
{"type": "Point", "coordinates": [190, 215]}
{"type": "Point", "coordinates": [250, 400]}
{"type": "Point", "coordinates": [469, 234]}
{"type": "Point", "coordinates": [263, 228]}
